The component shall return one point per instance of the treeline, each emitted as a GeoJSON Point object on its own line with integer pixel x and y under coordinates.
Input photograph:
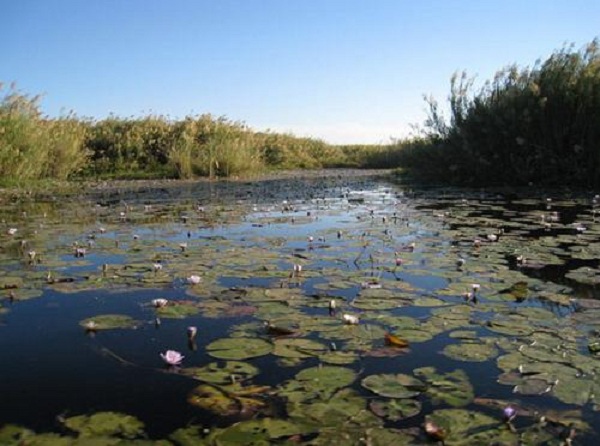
{"type": "Point", "coordinates": [33, 146]}
{"type": "Point", "coordinates": [538, 125]}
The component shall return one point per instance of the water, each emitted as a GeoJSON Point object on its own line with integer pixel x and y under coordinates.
{"type": "Point", "coordinates": [242, 237]}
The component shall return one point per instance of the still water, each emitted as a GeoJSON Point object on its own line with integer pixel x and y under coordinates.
{"type": "Point", "coordinates": [494, 293]}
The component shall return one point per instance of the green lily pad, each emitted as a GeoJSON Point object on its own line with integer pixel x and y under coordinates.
{"type": "Point", "coordinates": [256, 432]}
{"type": "Point", "coordinates": [105, 424]}
{"type": "Point", "coordinates": [298, 348]}
{"type": "Point", "coordinates": [178, 310]}
{"type": "Point", "coordinates": [326, 377]}
{"type": "Point", "coordinates": [394, 386]}
{"type": "Point", "coordinates": [470, 351]}
{"type": "Point", "coordinates": [218, 373]}
{"type": "Point", "coordinates": [229, 400]}
{"type": "Point", "coordinates": [395, 409]}
{"type": "Point", "coordinates": [452, 388]}
{"type": "Point", "coordinates": [466, 428]}
{"type": "Point", "coordinates": [108, 322]}
{"type": "Point", "coordinates": [239, 348]}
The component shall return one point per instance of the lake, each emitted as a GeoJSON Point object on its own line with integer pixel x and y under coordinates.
{"type": "Point", "coordinates": [339, 307]}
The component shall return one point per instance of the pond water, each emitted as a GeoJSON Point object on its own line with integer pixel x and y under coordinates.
{"type": "Point", "coordinates": [455, 310]}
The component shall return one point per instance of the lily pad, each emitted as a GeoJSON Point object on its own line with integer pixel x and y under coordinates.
{"type": "Point", "coordinates": [452, 388]}
{"type": "Point", "coordinates": [229, 400]}
{"type": "Point", "coordinates": [470, 351]}
{"type": "Point", "coordinates": [105, 424]}
{"type": "Point", "coordinates": [239, 348]}
{"type": "Point", "coordinates": [222, 373]}
{"type": "Point", "coordinates": [394, 386]}
{"type": "Point", "coordinates": [395, 409]}
{"type": "Point", "coordinates": [298, 348]}
{"type": "Point", "coordinates": [108, 322]}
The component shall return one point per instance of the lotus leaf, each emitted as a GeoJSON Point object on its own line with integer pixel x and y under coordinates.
{"type": "Point", "coordinates": [222, 373]}
{"type": "Point", "coordinates": [105, 424]}
{"type": "Point", "coordinates": [394, 386]}
{"type": "Point", "coordinates": [108, 322]}
{"type": "Point", "coordinates": [239, 348]}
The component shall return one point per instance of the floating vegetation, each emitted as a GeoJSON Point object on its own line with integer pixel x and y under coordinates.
{"type": "Point", "coordinates": [239, 348]}
{"type": "Point", "coordinates": [108, 322]}
{"type": "Point", "coordinates": [400, 311]}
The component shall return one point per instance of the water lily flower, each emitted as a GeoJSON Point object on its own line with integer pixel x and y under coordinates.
{"type": "Point", "coordinates": [492, 237]}
{"type": "Point", "coordinates": [159, 303]}
{"type": "Point", "coordinates": [194, 279]}
{"type": "Point", "coordinates": [172, 357]}
{"type": "Point", "coordinates": [191, 332]}
{"type": "Point", "coordinates": [434, 431]}
{"type": "Point", "coordinates": [460, 262]}
{"type": "Point", "coordinates": [12, 231]}
{"type": "Point", "coordinates": [509, 413]}
{"type": "Point", "coordinates": [370, 285]}
{"type": "Point", "coordinates": [80, 252]}
{"type": "Point", "coordinates": [183, 246]}
{"type": "Point", "coordinates": [91, 326]}
{"type": "Point", "coordinates": [310, 239]}
{"type": "Point", "coordinates": [332, 307]}
{"type": "Point", "coordinates": [476, 243]}
{"type": "Point", "coordinates": [399, 261]}
{"type": "Point", "coordinates": [157, 267]}
{"type": "Point", "coordinates": [350, 319]}
{"type": "Point", "coordinates": [475, 287]}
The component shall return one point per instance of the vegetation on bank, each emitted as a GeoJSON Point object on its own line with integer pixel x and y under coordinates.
{"type": "Point", "coordinates": [538, 125]}
{"type": "Point", "coordinates": [35, 147]}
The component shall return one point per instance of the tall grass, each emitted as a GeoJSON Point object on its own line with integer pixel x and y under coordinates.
{"type": "Point", "coordinates": [33, 146]}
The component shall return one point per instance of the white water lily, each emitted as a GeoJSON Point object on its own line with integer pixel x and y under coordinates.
{"type": "Point", "coordinates": [191, 332]}
{"type": "Point", "coordinates": [159, 303]}
{"type": "Point", "coordinates": [194, 279]}
{"type": "Point", "coordinates": [12, 231]}
{"type": "Point", "coordinates": [350, 319]}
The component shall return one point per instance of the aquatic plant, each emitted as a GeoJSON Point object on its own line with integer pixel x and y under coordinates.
{"type": "Point", "coordinates": [172, 357]}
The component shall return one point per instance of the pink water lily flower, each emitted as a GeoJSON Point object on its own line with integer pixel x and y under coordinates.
{"type": "Point", "coordinates": [172, 357]}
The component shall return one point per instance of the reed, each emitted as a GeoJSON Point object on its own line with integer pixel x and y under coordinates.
{"type": "Point", "coordinates": [538, 125]}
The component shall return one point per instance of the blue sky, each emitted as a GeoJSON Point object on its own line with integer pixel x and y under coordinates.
{"type": "Point", "coordinates": [346, 71]}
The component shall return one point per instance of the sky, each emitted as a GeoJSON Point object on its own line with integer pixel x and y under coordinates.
{"type": "Point", "coordinates": [345, 71]}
